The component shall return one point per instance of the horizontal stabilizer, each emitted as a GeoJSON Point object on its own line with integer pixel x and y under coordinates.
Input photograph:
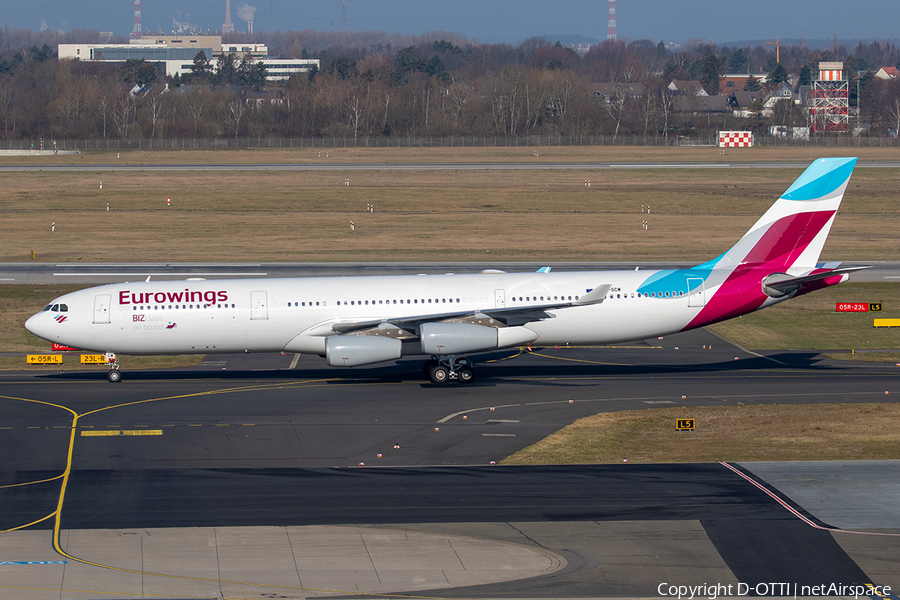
{"type": "Point", "coordinates": [778, 285]}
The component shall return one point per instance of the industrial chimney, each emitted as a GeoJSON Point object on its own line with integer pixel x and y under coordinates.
{"type": "Point", "coordinates": [227, 26]}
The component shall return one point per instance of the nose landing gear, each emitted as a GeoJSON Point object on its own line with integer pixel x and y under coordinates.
{"type": "Point", "coordinates": [441, 369]}
{"type": "Point", "coordinates": [114, 374]}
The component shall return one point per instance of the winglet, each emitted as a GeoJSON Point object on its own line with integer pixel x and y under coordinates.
{"type": "Point", "coordinates": [544, 270]}
{"type": "Point", "coordinates": [595, 296]}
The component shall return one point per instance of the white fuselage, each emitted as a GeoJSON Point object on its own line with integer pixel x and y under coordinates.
{"type": "Point", "coordinates": [297, 314]}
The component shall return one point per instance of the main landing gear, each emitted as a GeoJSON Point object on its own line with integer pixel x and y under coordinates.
{"type": "Point", "coordinates": [441, 369]}
{"type": "Point", "coordinates": [114, 374]}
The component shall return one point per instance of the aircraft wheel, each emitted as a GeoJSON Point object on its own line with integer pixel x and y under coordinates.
{"type": "Point", "coordinates": [114, 375]}
{"type": "Point", "coordinates": [440, 374]}
{"type": "Point", "coordinates": [428, 365]}
{"type": "Point", "coordinates": [466, 375]}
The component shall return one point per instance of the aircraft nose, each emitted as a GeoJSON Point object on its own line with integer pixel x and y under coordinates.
{"type": "Point", "coordinates": [39, 325]}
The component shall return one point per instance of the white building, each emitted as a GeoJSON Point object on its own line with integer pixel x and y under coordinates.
{"type": "Point", "coordinates": [277, 69]}
{"type": "Point", "coordinates": [177, 54]}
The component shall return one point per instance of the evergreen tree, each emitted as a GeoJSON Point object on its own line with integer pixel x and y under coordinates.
{"type": "Point", "coordinates": [201, 71]}
{"type": "Point", "coordinates": [752, 84]}
{"type": "Point", "coordinates": [226, 71]}
{"type": "Point", "coordinates": [779, 74]}
{"type": "Point", "coordinates": [710, 73]}
{"type": "Point", "coordinates": [805, 75]}
{"type": "Point", "coordinates": [738, 61]}
{"type": "Point", "coordinates": [138, 72]}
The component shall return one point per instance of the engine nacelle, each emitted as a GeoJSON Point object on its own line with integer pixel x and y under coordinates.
{"type": "Point", "coordinates": [459, 338]}
{"type": "Point", "coordinates": [355, 350]}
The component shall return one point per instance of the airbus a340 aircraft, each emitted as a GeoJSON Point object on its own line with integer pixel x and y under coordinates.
{"type": "Point", "coordinates": [362, 320]}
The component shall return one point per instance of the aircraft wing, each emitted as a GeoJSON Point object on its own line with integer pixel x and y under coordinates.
{"type": "Point", "coordinates": [518, 314]}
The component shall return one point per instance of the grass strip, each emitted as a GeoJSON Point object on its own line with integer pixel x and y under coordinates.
{"type": "Point", "coordinates": [724, 433]}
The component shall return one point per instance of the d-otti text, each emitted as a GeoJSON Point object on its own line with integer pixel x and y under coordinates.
{"type": "Point", "coordinates": [713, 591]}
{"type": "Point", "coordinates": [129, 297]}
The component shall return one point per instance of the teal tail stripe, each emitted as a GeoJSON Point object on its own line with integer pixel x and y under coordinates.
{"type": "Point", "coordinates": [822, 178]}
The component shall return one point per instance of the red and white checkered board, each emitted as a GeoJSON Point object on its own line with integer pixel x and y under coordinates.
{"type": "Point", "coordinates": [735, 139]}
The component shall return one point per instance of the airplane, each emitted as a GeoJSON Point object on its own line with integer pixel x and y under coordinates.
{"type": "Point", "coordinates": [353, 321]}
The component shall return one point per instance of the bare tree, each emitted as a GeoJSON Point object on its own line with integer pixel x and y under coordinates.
{"type": "Point", "coordinates": [7, 91]}
{"type": "Point", "coordinates": [103, 108]}
{"type": "Point", "coordinates": [196, 102]}
{"type": "Point", "coordinates": [69, 107]}
{"type": "Point", "coordinates": [123, 113]}
{"type": "Point", "coordinates": [233, 113]}
{"type": "Point", "coordinates": [457, 96]}
{"type": "Point", "coordinates": [155, 102]}
{"type": "Point", "coordinates": [616, 107]}
{"type": "Point", "coordinates": [894, 112]}
{"type": "Point", "coordinates": [506, 93]}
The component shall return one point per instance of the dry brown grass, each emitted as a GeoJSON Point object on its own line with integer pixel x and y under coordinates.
{"type": "Point", "coordinates": [420, 215]}
{"type": "Point", "coordinates": [738, 433]}
{"type": "Point", "coordinates": [888, 357]}
{"type": "Point", "coordinates": [811, 321]}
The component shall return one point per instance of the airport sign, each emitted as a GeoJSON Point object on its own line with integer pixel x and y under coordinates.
{"type": "Point", "coordinates": [684, 424]}
{"type": "Point", "coordinates": [93, 359]}
{"type": "Point", "coordinates": [852, 307]}
{"type": "Point", "coordinates": [44, 359]}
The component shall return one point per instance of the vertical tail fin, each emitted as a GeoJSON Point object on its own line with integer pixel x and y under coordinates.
{"type": "Point", "coordinates": [782, 248]}
{"type": "Point", "coordinates": [789, 237]}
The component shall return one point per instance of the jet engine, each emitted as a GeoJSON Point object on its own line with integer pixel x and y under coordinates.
{"type": "Point", "coordinates": [355, 350]}
{"type": "Point", "coordinates": [459, 338]}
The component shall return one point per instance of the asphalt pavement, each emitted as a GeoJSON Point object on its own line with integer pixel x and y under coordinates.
{"type": "Point", "coordinates": [249, 459]}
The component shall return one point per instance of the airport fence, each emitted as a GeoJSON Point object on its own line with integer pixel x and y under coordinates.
{"type": "Point", "coordinates": [531, 141]}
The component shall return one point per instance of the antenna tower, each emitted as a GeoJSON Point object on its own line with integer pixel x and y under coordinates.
{"type": "Point", "coordinates": [611, 25]}
{"type": "Point", "coordinates": [136, 30]}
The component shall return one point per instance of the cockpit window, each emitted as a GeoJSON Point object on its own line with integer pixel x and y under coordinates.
{"type": "Point", "coordinates": [55, 308]}
{"type": "Point", "coordinates": [48, 307]}
{"type": "Point", "coordinates": [63, 308]}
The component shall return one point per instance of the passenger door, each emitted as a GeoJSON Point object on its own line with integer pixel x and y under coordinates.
{"type": "Point", "coordinates": [258, 306]}
{"type": "Point", "coordinates": [101, 308]}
